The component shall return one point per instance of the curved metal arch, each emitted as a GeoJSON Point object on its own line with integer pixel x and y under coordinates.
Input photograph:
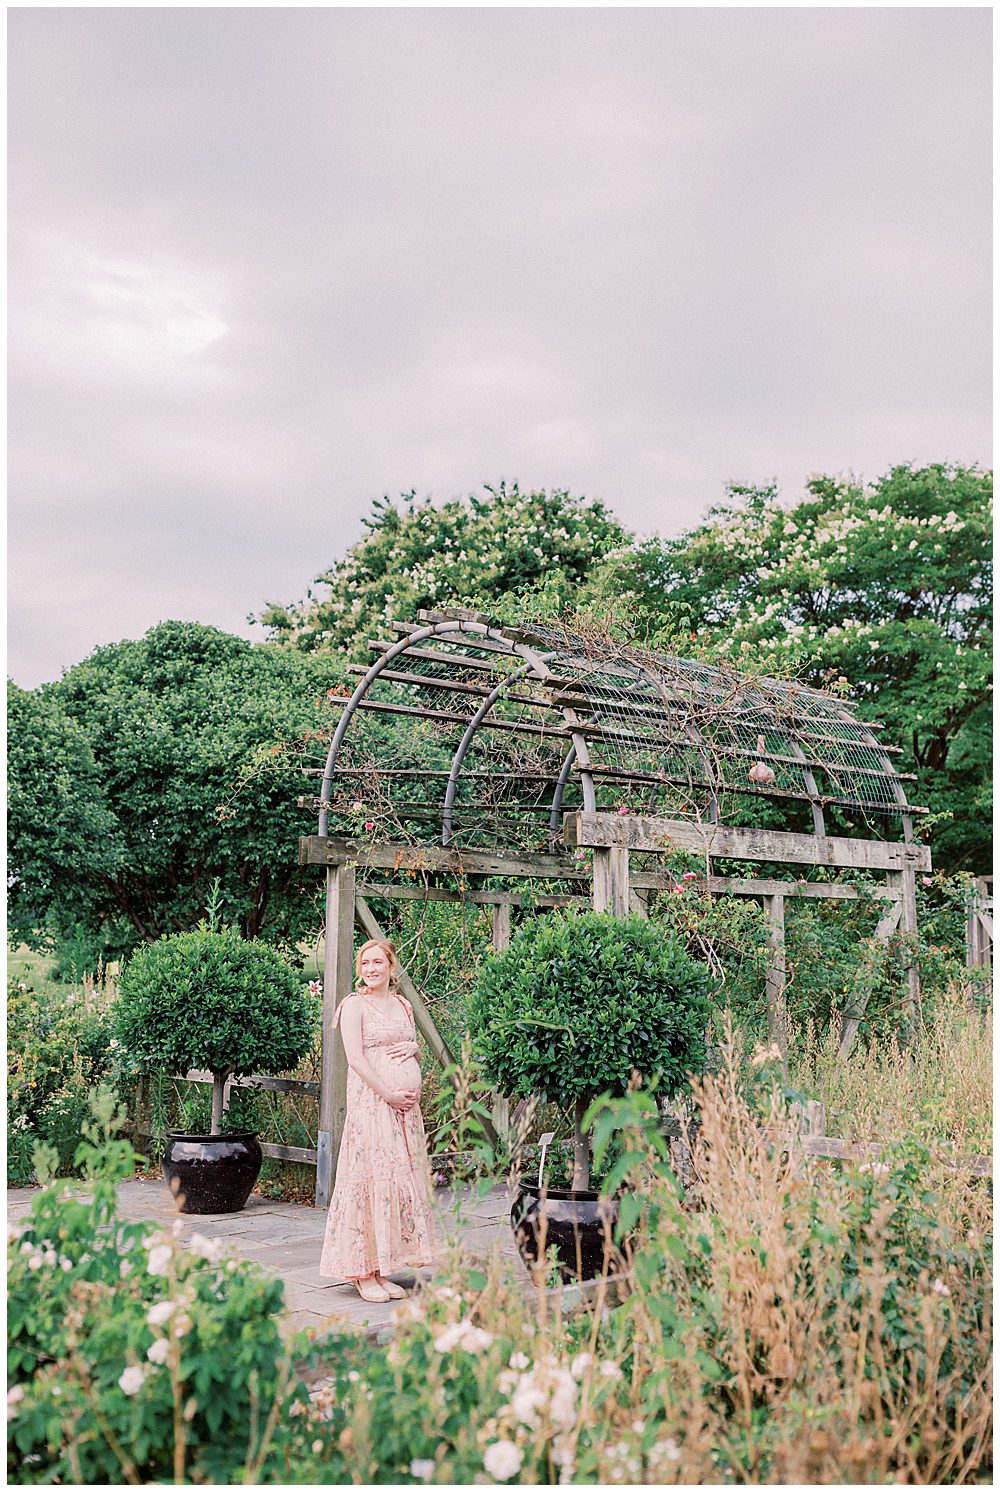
{"type": "Point", "coordinates": [560, 788]}
{"type": "Point", "coordinates": [436, 629]}
{"type": "Point", "coordinates": [466, 741]}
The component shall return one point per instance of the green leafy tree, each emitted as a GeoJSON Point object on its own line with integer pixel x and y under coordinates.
{"type": "Point", "coordinates": [215, 1000]}
{"type": "Point", "coordinates": [123, 802]}
{"type": "Point", "coordinates": [884, 587]}
{"type": "Point", "coordinates": [417, 554]}
{"type": "Point", "coordinates": [581, 1000]}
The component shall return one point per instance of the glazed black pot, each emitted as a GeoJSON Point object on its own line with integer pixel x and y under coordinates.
{"type": "Point", "coordinates": [211, 1173]}
{"type": "Point", "coordinates": [579, 1225]}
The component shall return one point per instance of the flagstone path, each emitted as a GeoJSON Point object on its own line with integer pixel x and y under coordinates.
{"type": "Point", "coordinates": [287, 1238]}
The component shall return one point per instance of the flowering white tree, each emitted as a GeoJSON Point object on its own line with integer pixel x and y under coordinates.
{"type": "Point", "coordinates": [418, 554]}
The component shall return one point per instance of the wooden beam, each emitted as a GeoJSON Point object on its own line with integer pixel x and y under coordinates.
{"type": "Point", "coordinates": [338, 982]}
{"type": "Point", "coordinates": [473, 898]}
{"type": "Point", "coordinates": [314, 849]}
{"type": "Point", "coordinates": [886, 927]}
{"type": "Point", "coordinates": [660, 835]}
{"type": "Point", "coordinates": [754, 886]}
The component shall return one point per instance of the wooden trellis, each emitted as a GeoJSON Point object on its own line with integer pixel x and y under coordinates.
{"type": "Point", "coordinates": [537, 736]}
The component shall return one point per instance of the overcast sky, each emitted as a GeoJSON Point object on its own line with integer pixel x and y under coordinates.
{"type": "Point", "coordinates": [267, 265]}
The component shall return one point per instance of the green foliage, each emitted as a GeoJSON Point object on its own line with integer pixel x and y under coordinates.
{"type": "Point", "coordinates": [59, 1044]}
{"type": "Point", "coordinates": [885, 587]}
{"type": "Point", "coordinates": [215, 1000]}
{"type": "Point", "coordinates": [580, 1000]}
{"type": "Point", "coordinates": [130, 1359]}
{"type": "Point", "coordinates": [422, 555]}
{"type": "Point", "coordinates": [123, 802]}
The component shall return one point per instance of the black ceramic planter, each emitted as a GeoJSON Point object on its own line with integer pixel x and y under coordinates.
{"type": "Point", "coordinates": [211, 1173]}
{"type": "Point", "coordinates": [579, 1225]}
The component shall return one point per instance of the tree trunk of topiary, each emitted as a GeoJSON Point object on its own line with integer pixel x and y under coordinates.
{"type": "Point", "coordinates": [218, 1100]}
{"type": "Point", "coordinates": [581, 1149]}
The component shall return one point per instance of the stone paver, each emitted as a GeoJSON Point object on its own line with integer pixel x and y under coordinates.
{"type": "Point", "coordinates": [286, 1238]}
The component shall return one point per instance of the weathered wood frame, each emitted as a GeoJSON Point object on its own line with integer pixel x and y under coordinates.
{"type": "Point", "coordinates": [610, 885]}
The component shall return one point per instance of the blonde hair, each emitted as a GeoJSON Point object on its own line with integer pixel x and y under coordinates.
{"type": "Point", "coordinates": [390, 954]}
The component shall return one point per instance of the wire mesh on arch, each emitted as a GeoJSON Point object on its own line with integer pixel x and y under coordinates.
{"type": "Point", "coordinates": [484, 738]}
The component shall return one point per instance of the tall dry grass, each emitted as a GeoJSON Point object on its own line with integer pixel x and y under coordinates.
{"type": "Point", "coordinates": [938, 1087]}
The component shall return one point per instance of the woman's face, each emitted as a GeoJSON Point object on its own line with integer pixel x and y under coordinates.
{"type": "Point", "coordinates": [374, 967]}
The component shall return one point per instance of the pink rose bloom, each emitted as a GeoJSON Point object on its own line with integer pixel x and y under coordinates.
{"type": "Point", "coordinates": [357, 807]}
{"type": "Point", "coordinates": [689, 875]}
{"type": "Point", "coordinates": [678, 888]}
{"type": "Point", "coordinates": [623, 810]}
{"type": "Point", "coordinates": [927, 880]}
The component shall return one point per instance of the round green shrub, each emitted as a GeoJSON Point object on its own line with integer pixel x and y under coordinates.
{"type": "Point", "coordinates": [213, 1000]}
{"type": "Point", "coordinates": [582, 999]}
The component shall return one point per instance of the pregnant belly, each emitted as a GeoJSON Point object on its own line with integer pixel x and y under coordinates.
{"type": "Point", "coordinates": [406, 1072]}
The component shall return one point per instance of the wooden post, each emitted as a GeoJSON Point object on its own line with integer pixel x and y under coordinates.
{"type": "Point", "coordinates": [501, 940]}
{"type": "Point", "coordinates": [338, 981]}
{"type": "Point", "coordinates": [886, 927]}
{"type": "Point", "coordinates": [611, 888]}
{"type": "Point", "coordinates": [777, 1024]}
{"type": "Point", "coordinates": [908, 923]}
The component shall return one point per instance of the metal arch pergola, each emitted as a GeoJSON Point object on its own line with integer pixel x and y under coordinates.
{"type": "Point", "coordinates": [539, 737]}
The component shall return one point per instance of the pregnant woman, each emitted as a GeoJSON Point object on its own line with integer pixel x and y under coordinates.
{"type": "Point", "coordinates": [380, 1215]}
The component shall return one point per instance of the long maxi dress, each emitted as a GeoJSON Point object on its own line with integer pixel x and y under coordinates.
{"type": "Point", "coordinates": [380, 1213]}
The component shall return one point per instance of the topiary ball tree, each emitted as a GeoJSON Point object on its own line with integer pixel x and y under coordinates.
{"type": "Point", "coordinates": [212, 999]}
{"type": "Point", "coordinates": [580, 1000]}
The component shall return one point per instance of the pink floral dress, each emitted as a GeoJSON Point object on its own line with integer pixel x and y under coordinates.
{"type": "Point", "coordinates": [380, 1215]}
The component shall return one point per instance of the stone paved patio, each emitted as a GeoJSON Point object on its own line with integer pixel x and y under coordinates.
{"type": "Point", "coordinates": [287, 1238]}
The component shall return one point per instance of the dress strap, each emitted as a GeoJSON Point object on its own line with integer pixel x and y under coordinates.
{"type": "Point", "coordinates": [336, 1014]}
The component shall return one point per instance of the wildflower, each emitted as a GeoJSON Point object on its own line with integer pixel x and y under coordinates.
{"type": "Point", "coordinates": [132, 1380]}
{"type": "Point", "coordinates": [668, 1448]}
{"type": "Point", "coordinates": [14, 1397]}
{"type": "Point", "coordinates": [422, 1468]}
{"type": "Point", "coordinates": [579, 1365]}
{"type": "Point", "coordinates": [182, 1325]}
{"type": "Point", "coordinates": [159, 1259]}
{"type": "Point", "coordinates": [638, 1425]}
{"type": "Point", "coordinates": [35, 1262]}
{"type": "Point", "coordinates": [502, 1460]}
{"type": "Point", "coordinates": [609, 1369]}
{"type": "Point", "coordinates": [204, 1248]}
{"type": "Point", "coordinates": [160, 1350]}
{"type": "Point", "coordinates": [526, 1402]}
{"type": "Point", "coordinates": [940, 1288]}
{"type": "Point", "coordinates": [519, 1361]}
{"type": "Point", "coordinates": [160, 1312]}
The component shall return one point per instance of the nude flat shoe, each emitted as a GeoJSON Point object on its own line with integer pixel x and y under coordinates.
{"type": "Point", "coordinates": [372, 1291]}
{"type": "Point", "coordinates": [394, 1291]}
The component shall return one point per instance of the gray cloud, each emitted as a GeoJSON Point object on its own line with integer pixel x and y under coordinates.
{"type": "Point", "coordinates": [267, 265]}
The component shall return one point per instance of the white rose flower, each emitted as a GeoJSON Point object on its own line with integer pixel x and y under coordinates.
{"type": "Point", "coordinates": [474, 1339]}
{"type": "Point", "coordinates": [502, 1460]}
{"type": "Point", "coordinates": [204, 1248]}
{"type": "Point", "coordinates": [519, 1361]}
{"type": "Point", "coordinates": [610, 1369]}
{"type": "Point", "coordinates": [132, 1380]}
{"type": "Point", "coordinates": [160, 1351]}
{"type": "Point", "coordinates": [158, 1261]}
{"type": "Point", "coordinates": [422, 1468]}
{"type": "Point", "coordinates": [580, 1364]}
{"type": "Point", "coordinates": [160, 1312]}
{"type": "Point", "coordinates": [448, 1339]}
